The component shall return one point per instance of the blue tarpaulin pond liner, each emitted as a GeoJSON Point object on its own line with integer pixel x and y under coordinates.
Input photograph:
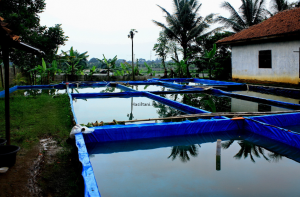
{"type": "Point", "coordinates": [256, 99]}
{"type": "Point", "coordinates": [292, 93]}
{"type": "Point", "coordinates": [265, 126]}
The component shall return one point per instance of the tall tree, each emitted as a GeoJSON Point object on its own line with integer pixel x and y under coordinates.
{"type": "Point", "coordinates": [161, 47]}
{"type": "Point", "coordinates": [23, 19]}
{"type": "Point", "coordinates": [185, 24]}
{"type": "Point", "coordinates": [251, 12]}
{"type": "Point", "coordinates": [131, 36]}
{"type": "Point", "coordinates": [278, 6]}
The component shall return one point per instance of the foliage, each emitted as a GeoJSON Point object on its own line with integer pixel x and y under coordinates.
{"type": "Point", "coordinates": [278, 6]}
{"type": "Point", "coordinates": [149, 70]}
{"type": "Point", "coordinates": [185, 24]}
{"type": "Point", "coordinates": [180, 67]}
{"type": "Point", "coordinates": [210, 60]}
{"type": "Point", "coordinates": [92, 71]}
{"type": "Point", "coordinates": [110, 64]}
{"type": "Point", "coordinates": [161, 47]}
{"type": "Point", "coordinates": [251, 12]}
{"type": "Point", "coordinates": [23, 18]}
{"type": "Point", "coordinates": [41, 70]}
{"type": "Point", "coordinates": [19, 79]}
{"type": "Point", "coordinates": [222, 57]}
{"type": "Point", "coordinates": [75, 61]}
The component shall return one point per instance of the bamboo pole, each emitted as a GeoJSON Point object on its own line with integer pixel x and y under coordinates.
{"type": "Point", "coordinates": [212, 115]}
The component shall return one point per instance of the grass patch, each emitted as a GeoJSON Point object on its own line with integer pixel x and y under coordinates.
{"type": "Point", "coordinates": [36, 117]}
{"type": "Point", "coordinates": [63, 177]}
{"type": "Point", "coordinates": [42, 115]}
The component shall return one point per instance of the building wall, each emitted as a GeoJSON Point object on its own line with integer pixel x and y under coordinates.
{"type": "Point", "coordinates": [285, 62]}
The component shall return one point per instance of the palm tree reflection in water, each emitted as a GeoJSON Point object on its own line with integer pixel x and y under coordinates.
{"type": "Point", "coordinates": [250, 149]}
{"type": "Point", "coordinates": [182, 152]}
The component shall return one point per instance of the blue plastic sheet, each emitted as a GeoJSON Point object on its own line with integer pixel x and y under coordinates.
{"type": "Point", "coordinates": [157, 130]}
{"type": "Point", "coordinates": [90, 184]}
{"type": "Point", "coordinates": [292, 93]}
{"type": "Point", "coordinates": [280, 120]}
{"type": "Point", "coordinates": [11, 90]}
{"type": "Point", "coordinates": [257, 99]}
{"type": "Point", "coordinates": [273, 132]}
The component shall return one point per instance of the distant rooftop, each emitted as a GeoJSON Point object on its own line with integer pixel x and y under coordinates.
{"type": "Point", "coordinates": [283, 24]}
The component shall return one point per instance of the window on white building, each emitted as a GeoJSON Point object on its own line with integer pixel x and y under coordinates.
{"type": "Point", "coordinates": [265, 59]}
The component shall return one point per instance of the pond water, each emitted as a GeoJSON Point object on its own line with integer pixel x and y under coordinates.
{"type": "Point", "coordinates": [121, 109]}
{"type": "Point", "coordinates": [221, 104]}
{"type": "Point", "coordinates": [104, 89]}
{"type": "Point", "coordinates": [151, 88]}
{"type": "Point", "coordinates": [268, 96]}
{"type": "Point", "coordinates": [189, 166]}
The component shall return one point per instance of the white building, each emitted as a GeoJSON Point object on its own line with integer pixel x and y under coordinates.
{"type": "Point", "coordinates": [268, 51]}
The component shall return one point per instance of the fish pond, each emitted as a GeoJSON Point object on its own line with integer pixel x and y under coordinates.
{"type": "Point", "coordinates": [193, 165]}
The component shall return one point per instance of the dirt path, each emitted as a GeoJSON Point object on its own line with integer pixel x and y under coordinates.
{"type": "Point", "coordinates": [15, 182]}
{"type": "Point", "coordinates": [22, 179]}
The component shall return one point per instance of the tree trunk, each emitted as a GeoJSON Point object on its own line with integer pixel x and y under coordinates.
{"type": "Point", "coordinates": [132, 60]}
{"type": "Point", "coordinates": [163, 63]}
{"type": "Point", "coordinates": [184, 58]}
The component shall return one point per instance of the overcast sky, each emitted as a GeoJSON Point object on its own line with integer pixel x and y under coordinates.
{"type": "Point", "coordinates": [101, 26]}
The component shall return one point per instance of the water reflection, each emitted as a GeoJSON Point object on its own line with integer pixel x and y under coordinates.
{"type": "Point", "coordinates": [166, 111]}
{"type": "Point", "coordinates": [250, 149]}
{"type": "Point", "coordinates": [216, 103]}
{"type": "Point", "coordinates": [175, 167]}
{"type": "Point", "coordinates": [183, 152]}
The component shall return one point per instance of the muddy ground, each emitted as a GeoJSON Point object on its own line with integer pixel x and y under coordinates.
{"type": "Point", "coordinates": [23, 179]}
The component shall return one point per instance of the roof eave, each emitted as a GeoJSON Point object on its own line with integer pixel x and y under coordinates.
{"type": "Point", "coordinates": [265, 38]}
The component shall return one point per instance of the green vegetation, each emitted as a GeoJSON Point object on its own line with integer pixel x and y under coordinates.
{"type": "Point", "coordinates": [23, 18]}
{"type": "Point", "coordinates": [37, 116]}
{"type": "Point", "coordinates": [46, 115]}
{"type": "Point", "coordinates": [185, 24]}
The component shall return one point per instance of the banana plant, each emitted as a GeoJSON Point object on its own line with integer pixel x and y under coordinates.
{"type": "Point", "coordinates": [74, 60]}
{"type": "Point", "coordinates": [92, 71]}
{"type": "Point", "coordinates": [54, 69]}
{"type": "Point", "coordinates": [41, 70]}
{"type": "Point", "coordinates": [181, 67]}
{"type": "Point", "coordinates": [149, 70]}
{"type": "Point", "coordinates": [110, 64]}
{"type": "Point", "coordinates": [210, 59]}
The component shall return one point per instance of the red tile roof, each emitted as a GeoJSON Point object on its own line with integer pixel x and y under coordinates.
{"type": "Point", "coordinates": [283, 23]}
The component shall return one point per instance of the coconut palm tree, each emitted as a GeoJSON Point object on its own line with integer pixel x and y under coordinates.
{"type": "Point", "coordinates": [278, 6]}
{"type": "Point", "coordinates": [250, 13]}
{"type": "Point", "coordinates": [131, 36]}
{"type": "Point", "coordinates": [185, 24]}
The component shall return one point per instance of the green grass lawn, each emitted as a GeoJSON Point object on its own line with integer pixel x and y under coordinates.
{"type": "Point", "coordinates": [36, 117]}
{"type": "Point", "coordinates": [43, 116]}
